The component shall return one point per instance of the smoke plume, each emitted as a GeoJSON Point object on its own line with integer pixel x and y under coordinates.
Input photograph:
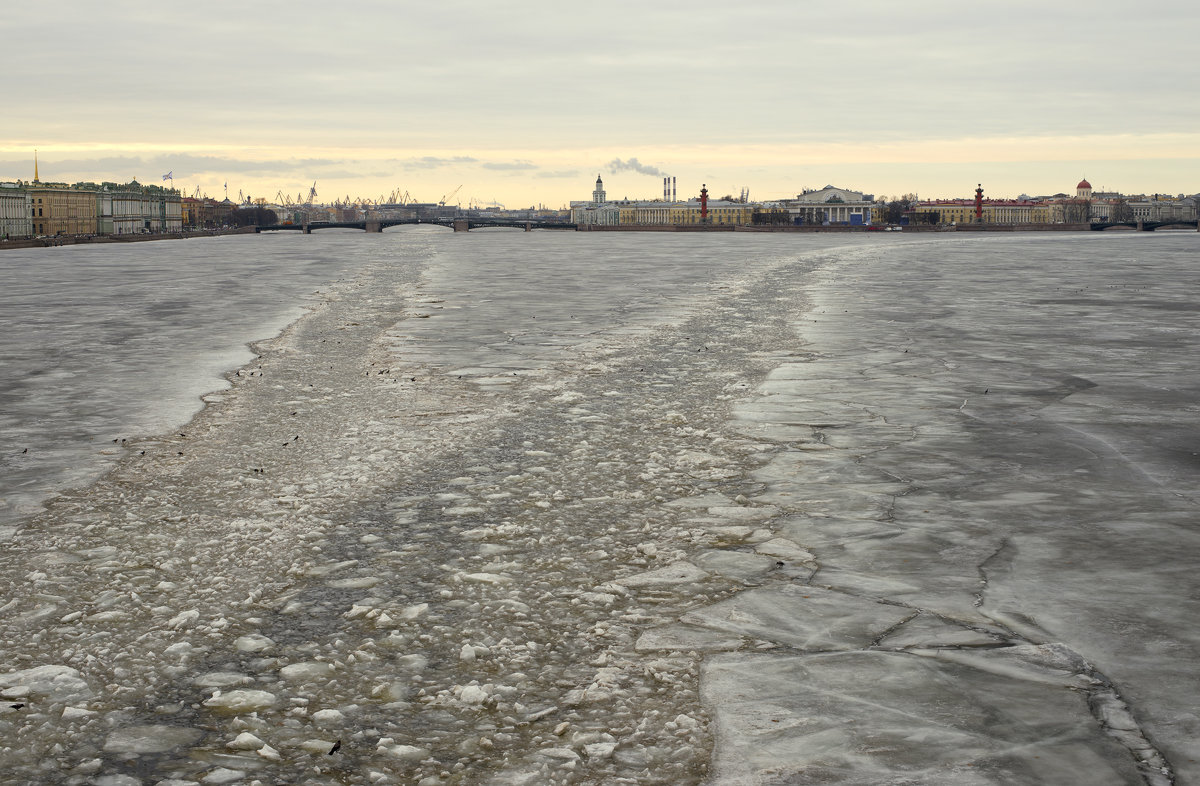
{"type": "Point", "coordinates": [617, 165]}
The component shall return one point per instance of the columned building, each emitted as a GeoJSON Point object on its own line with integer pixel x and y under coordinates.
{"type": "Point", "coordinates": [994, 211]}
{"type": "Point", "coordinates": [598, 212]}
{"type": "Point", "coordinates": [1164, 207]}
{"type": "Point", "coordinates": [829, 205]}
{"type": "Point", "coordinates": [15, 220]}
{"type": "Point", "coordinates": [656, 212]}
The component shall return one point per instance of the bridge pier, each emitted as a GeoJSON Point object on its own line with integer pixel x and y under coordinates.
{"type": "Point", "coordinates": [1140, 228]}
{"type": "Point", "coordinates": [461, 225]}
{"type": "Point", "coordinates": [528, 226]}
{"type": "Point", "coordinates": [373, 227]}
{"type": "Point", "coordinates": [307, 229]}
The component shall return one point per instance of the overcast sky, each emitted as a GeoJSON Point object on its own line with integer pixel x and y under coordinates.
{"type": "Point", "coordinates": [526, 102]}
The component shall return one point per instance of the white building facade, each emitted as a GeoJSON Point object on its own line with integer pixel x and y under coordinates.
{"type": "Point", "coordinates": [133, 209]}
{"type": "Point", "coordinates": [829, 205]}
{"type": "Point", "coordinates": [15, 220]}
{"type": "Point", "coordinates": [597, 212]}
{"type": "Point", "coordinates": [1164, 208]}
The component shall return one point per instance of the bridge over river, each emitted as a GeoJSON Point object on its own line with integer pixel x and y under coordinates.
{"type": "Point", "coordinates": [1142, 226]}
{"type": "Point", "coordinates": [457, 224]}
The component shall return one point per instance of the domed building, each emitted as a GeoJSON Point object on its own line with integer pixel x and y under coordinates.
{"type": "Point", "coordinates": [1083, 190]}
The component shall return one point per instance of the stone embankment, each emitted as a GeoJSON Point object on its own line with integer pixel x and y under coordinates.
{"type": "Point", "coordinates": [71, 240]}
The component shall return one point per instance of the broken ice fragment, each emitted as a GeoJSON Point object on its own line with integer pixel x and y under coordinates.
{"type": "Point", "coordinates": [675, 573]}
{"type": "Point", "coordinates": [245, 742]}
{"type": "Point", "coordinates": [310, 670]}
{"type": "Point", "coordinates": [241, 701]}
{"type": "Point", "coordinates": [150, 739]}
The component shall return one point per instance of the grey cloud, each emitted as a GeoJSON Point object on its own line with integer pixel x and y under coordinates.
{"type": "Point", "coordinates": [183, 165]}
{"type": "Point", "coordinates": [433, 162]}
{"type": "Point", "coordinates": [617, 165]}
{"type": "Point", "coordinates": [561, 174]}
{"type": "Point", "coordinates": [513, 166]}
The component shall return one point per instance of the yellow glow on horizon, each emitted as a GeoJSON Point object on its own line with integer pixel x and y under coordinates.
{"type": "Point", "coordinates": [957, 150]}
{"type": "Point", "coordinates": [1034, 164]}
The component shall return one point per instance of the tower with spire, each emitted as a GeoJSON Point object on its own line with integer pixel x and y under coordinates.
{"type": "Point", "coordinates": [35, 169]}
{"type": "Point", "coordinates": [598, 194]}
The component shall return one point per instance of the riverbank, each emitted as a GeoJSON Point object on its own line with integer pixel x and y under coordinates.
{"type": "Point", "coordinates": [653, 228]}
{"type": "Point", "coordinates": [74, 240]}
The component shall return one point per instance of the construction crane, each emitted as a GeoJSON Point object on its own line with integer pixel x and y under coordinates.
{"type": "Point", "coordinates": [312, 193]}
{"type": "Point", "coordinates": [442, 201]}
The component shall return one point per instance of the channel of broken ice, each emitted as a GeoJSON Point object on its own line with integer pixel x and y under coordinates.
{"type": "Point", "coordinates": [314, 565]}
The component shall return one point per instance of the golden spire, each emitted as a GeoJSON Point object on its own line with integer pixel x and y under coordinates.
{"type": "Point", "coordinates": [35, 172]}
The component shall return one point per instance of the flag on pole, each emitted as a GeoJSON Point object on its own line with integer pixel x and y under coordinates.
{"type": "Point", "coordinates": [168, 175]}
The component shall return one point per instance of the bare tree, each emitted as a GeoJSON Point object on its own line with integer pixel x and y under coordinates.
{"type": "Point", "coordinates": [895, 209]}
{"type": "Point", "coordinates": [1121, 211]}
{"type": "Point", "coordinates": [1076, 211]}
{"type": "Point", "coordinates": [770, 217]}
{"type": "Point", "coordinates": [250, 216]}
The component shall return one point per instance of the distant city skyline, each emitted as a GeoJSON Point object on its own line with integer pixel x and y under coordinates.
{"type": "Point", "coordinates": [526, 108]}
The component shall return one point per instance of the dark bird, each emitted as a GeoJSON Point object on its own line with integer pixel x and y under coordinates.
{"type": "Point", "coordinates": [26, 450]}
{"type": "Point", "coordinates": [337, 746]}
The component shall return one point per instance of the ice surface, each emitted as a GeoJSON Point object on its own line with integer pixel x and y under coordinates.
{"type": "Point", "coordinates": [806, 618]}
{"type": "Point", "coordinates": [716, 524]}
{"type": "Point", "coordinates": [103, 344]}
{"type": "Point", "coordinates": [878, 717]}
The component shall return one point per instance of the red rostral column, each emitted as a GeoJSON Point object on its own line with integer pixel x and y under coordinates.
{"type": "Point", "coordinates": [979, 204]}
{"type": "Point", "coordinates": [703, 203]}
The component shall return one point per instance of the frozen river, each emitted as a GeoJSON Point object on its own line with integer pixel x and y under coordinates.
{"type": "Point", "coordinates": [602, 508]}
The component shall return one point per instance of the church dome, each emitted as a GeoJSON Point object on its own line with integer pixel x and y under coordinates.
{"type": "Point", "coordinates": [1084, 184]}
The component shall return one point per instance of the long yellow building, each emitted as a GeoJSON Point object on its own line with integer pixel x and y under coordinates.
{"type": "Point", "coordinates": [661, 213]}
{"type": "Point", "coordinates": [59, 209]}
{"type": "Point", "coordinates": [994, 211]}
